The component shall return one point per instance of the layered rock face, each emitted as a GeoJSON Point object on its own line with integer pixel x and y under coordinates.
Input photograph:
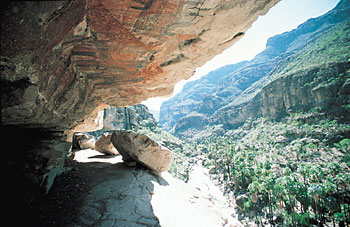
{"type": "Point", "coordinates": [295, 93]}
{"type": "Point", "coordinates": [299, 70]}
{"type": "Point", "coordinates": [216, 89]}
{"type": "Point", "coordinates": [63, 62]}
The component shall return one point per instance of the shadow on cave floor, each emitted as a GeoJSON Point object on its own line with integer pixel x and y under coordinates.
{"type": "Point", "coordinates": [97, 190]}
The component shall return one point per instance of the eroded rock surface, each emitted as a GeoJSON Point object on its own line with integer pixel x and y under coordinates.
{"type": "Point", "coordinates": [104, 145]}
{"type": "Point", "coordinates": [120, 198]}
{"type": "Point", "coordinates": [83, 141]}
{"type": "Point", "coordinates": [293, 93]}
{"type": "Point", "coordinates": [139, 147]}
{"type": "Point", "coordinates": [62, 62]}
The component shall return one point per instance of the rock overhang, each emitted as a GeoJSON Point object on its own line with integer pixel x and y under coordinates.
{"type": "Point", "coordinates": [65, 61]}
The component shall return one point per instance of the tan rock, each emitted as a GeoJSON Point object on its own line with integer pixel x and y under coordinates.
{"type": "Point", "coordinates": [141, 148]}
{"type": "Point", "coordinates": [104, 145]}
{"type": "Point", "coordinates": [84, 141]}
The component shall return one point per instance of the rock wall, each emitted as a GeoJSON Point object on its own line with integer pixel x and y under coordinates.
{"type": "Point", "coordinates": [131, 117]}
{"type": "Point", "coordinates": [215, 90]}
{"type": "Point", "coordinates": [299, 70]}
{"type": "Point", "coordinates": [295, 93]}
{"type": "Point", "coordinates": [63, 62]}
{"type": "Point", "coordinates": [31, 159]}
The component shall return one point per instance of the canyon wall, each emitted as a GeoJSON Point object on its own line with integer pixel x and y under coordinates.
{"type": "Point", "coordinates": [299, 70]}
{"type": "Point", "coordinates": [129, 118]}
{"type": "Point", "coordinates": [295, 93]}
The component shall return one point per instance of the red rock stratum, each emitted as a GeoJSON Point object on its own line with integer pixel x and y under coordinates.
{"type": "Point", "coordinates": [62, 62]}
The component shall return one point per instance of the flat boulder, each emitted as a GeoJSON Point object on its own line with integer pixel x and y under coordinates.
{"type": "Point", "coordinates": [142, 149]}
{"type": "Point", "coordinates": [104, 145]}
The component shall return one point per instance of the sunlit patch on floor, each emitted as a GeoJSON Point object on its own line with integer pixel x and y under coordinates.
{"type": "Point", "coordinates": [90, 155]}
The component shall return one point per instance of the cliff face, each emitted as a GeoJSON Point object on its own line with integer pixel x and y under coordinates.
{"type": "Point", "coordinates": [63, 62]}
{"type": "Point", "coordinates": [131, 117]}
{"type": "Point", "coordinates": [315, 76]}
{"type": "Point", "coordinates": [190, 96]}
{"type": "Point", "coordinates": [295, 93]}
{"type": "Point", "coordinates": [215, 90]}
{"type": "Point", "coordinates": [299, 70]}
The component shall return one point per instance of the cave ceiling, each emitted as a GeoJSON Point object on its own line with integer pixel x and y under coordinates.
{"type": "Point", "coordinates": [62, 62]}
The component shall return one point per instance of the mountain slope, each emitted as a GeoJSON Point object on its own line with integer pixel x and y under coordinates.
{"type": "Point", "coordinates": [316, 76]}
{"type": "Point", "coordinates": [318, 42]}
{"type": "Point", "coordinates": [190, 96]}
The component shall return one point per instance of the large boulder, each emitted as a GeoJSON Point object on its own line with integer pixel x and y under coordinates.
{"type": "Point", "coordinates": [83, 141]}
{"type": "Point", "coordinates": [104, 145]}
{"type": "Point", "coordinates": [141, 148]}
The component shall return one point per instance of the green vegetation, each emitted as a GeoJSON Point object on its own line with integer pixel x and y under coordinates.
{"type": "Point", "coordinates": [290, 172]}
{"type": "Point", "coordinates": [295, 174]}
{"type": "Point", "coordinates": [327, 47]}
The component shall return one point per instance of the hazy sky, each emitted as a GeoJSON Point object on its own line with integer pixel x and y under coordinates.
{"type": "Point", "coordinates": [285, 16]}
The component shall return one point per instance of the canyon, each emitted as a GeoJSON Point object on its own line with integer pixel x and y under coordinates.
{"type": "Point", "coordinates": [299, 70]}
{"type": "Point", "coordinates": [62, 63]}
{"type": "Point", "coordinates": [275, 131]}
{"type": "Point", "coordinates": [80, 69]}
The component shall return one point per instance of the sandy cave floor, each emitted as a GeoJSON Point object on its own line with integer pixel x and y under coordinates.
{"type": "Point", "coordinates": [98, 190]}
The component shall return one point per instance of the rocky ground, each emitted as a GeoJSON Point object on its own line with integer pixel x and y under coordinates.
{"type": "Point", "coordinates": [98, 190]}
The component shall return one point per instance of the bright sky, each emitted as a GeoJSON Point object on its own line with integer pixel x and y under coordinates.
{"type": "Point", "coordinates": [285, 16]}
